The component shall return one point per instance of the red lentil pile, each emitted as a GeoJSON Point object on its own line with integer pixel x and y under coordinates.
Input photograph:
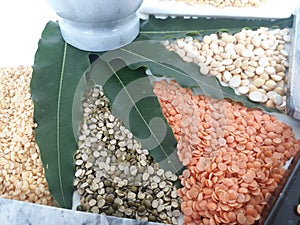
{"type": "Point", "coordinates": [234, 156]}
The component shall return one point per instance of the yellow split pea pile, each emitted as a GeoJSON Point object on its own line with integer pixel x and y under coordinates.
{"type": "Point", "coordinates": [234, 155]}
{"type": "Point", "coordinates": [224, 3]}
{"type": "Point", "coordinates": [252, 62]}
{"type": "Point", "coordinates": [21, 170]}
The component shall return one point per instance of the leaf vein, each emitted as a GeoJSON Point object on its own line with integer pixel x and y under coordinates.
{"type": "Point", "coordinates": [170, 68]}
{"type": "Point", "coordinates": [140, 114]}
{"type": "Point", "coordinates": [58, 121]}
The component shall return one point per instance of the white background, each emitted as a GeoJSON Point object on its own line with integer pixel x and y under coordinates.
{"type": "Point", "coordinates": [21, 25]}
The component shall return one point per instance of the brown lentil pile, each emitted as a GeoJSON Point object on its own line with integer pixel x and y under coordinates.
{"type": "Point", "coordinates": [234, 155]}
{"type": "Point", "coordinates": [252, 62]}
{"type": "Point", "coordinates": [224, 3]}
{"type": "Point", "coordinates": [21, 170]}
{"type": "Point", "coordinates": [114, 175]}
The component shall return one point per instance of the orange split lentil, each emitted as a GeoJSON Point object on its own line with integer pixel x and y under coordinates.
{"type": "Point", "coordinates": [234, 156]}
{"type": "Point", "coordinates": [21, 171]}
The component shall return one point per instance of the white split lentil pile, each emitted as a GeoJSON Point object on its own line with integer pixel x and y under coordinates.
{"type": "Point", "coordinates": [21, 170]}
{"type": "Point", "coordinates": [252, 62]}
{"type": "Point", "coordinates": [224, 3]}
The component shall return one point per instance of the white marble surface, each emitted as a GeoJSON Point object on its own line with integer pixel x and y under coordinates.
{"type": "Point", "coordinates": [98, 25]}
{"type": "Point", "coordinates": [22, 213]}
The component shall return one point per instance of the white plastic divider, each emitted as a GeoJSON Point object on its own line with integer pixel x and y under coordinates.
{"type": "Point", "coordinates": [270, 9]}
{"type": "Point", "coordinates": [293, 97]}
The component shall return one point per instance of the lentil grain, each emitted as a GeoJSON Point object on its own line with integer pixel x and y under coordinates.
{"type": "Point", "coordinates": [22, 174]}
{"type": "Point", "coordinates": [123, 180]}
{"type": "Point", "coordinates": [252, 61]}
{"type": "Point", "coordinates": [231, 176]}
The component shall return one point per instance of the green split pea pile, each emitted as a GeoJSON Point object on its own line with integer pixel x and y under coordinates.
{"type": "Point", "coordinates": [114, 175]}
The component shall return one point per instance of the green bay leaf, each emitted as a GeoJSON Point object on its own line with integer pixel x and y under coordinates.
{"type": "Point", "coordinates": [57, 70]}
{"type": "Point", "coordinates": [163, 63]}
{"type": "Point", "coordinates": [132, 100]}
{"type": "Point", "coordinates": [159, 29]}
